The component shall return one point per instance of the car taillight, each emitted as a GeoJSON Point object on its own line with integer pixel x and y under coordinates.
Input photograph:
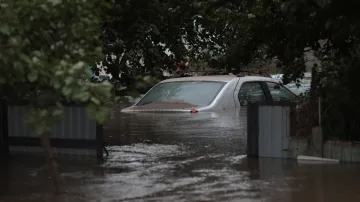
{"type": "Point", "coordinates": [194, 111]}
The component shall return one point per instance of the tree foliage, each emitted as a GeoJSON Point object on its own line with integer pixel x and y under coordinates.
{"type": "Point", "coordinates": [284, 30]}
{"type": "Point", "coordinates": [46, 48]}
{"type": "Point", "coordinates": [268, 29]}
{"type": "Point", "coordinates": [147, 37]}
{"type": "Point", "coordinates": [339, 75]}
{"type": "Point", "coordinates": [234, 32]}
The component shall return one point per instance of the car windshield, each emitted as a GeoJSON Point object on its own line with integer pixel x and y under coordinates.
{"type": "Point", "coordinates": [200, 93]}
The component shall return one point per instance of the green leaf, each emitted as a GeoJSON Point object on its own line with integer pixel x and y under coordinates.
{"type": "Point", "coordinates": [66, 91]}
{"type": "Point", "coordinates": [5, 29]}
{"type": "Point", "coordinates": [56, 2]}
{"type": "Point", "coordinates": [134, 94]}
{"type": "Point", "coordinates": [147, 79]}
{"type": "Point", "coordinates": [95, 101]}
{"type": "Point", "coordinates": [79, 65]}
{"type": "Point", "coordinates": [69, 80]}
{"type": "Point", "coordinates": [26, 58]}
{"type": "Point", "coordinates": [58, 112]}
{"type": "Point", "coordinates": [85, 96]}
{"type": "Point", "coordinates": [32, 76]}
{"type": "Point", "coordinates": [57, 84]}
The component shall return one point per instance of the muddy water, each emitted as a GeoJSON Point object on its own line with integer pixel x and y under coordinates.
{"type": "Point", "coordinates": [180, 157]}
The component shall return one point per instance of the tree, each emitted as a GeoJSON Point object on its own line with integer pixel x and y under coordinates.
{"type": "Point", "coordinates": [146, 37]}
{"type": "Point", "coordinates": [285, 30]}
{"type": "Point", "coordinates": [48, 46]}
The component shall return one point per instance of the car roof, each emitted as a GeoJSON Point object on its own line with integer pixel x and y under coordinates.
{"type": "Point", "coordinates": [221, 78]}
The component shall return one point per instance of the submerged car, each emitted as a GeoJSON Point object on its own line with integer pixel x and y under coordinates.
{"type": "Point", "coordinates": [167, 113]}
{"type": "Point", "coordinates": [223, 93]}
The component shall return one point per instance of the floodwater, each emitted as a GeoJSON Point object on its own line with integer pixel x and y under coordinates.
{"type": "Point", "coordinates": [179, 157]}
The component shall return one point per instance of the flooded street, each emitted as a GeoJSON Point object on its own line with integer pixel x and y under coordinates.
{"type": "Point", "coordinates": [183, 157]}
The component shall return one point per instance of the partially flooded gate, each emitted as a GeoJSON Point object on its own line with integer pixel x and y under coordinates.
{"type": "Point", "coordinates": [270, 129]}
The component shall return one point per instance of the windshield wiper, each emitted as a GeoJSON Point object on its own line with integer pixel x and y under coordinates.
{"type": "Point", "coordinates": [164, 102]}
{"type": "Point", "coordinates": [145, 103]}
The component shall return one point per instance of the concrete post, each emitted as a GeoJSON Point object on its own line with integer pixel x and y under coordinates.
{"type": "Point", "coordinates": [317, 140]}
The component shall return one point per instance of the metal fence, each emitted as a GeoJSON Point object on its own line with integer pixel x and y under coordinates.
{"type": "Point", "coordinates": [270, 126]}
{"type": "Point", "coordinates": [77, 134]}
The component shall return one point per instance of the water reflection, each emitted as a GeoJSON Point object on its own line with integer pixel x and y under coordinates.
{"type": "Point", "coordinates": [325, 183]}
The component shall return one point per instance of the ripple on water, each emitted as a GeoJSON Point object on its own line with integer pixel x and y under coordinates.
{"type": "Point", "coordinates": [153, 174]}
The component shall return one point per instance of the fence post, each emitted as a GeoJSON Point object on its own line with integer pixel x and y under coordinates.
{"type": "Point", "coordinates": [4, 142]}
{"type": "Point", "coordinates": [100, 141]}
{"type": "Point", "coordinates": [253, 130]}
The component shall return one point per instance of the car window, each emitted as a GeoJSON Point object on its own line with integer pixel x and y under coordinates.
{"type": "Point", "coordinates": [200, 93]}
{"type": "Point", "coordinates": [280, 93]}
{"type": "Point", "coordinates": [251, 92]}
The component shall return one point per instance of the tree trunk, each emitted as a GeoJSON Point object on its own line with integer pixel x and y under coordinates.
{"type": "Point", "coordinates": [57, 179]}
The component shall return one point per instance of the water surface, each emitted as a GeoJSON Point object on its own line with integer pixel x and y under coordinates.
{"type": "Point", "coordinates": [183, 157]}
